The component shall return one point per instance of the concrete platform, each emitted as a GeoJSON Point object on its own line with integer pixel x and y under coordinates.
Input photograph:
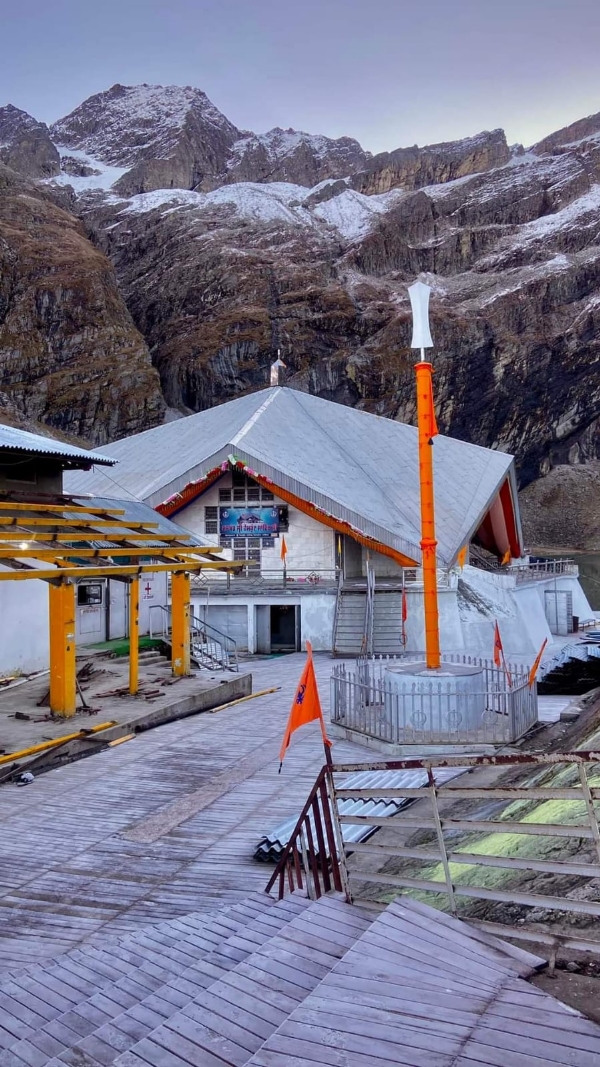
{"type": "Point", "coordinates": [162, 698]}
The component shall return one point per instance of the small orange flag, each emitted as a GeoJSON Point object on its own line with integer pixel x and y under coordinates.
{"type": "Point", "coordinates": [306, 706]}
{"type": "Point", "coordinates": [499, 659]}
{"type": "Point", "coordinates": [536, 665]}
{"type": "Point", "coordinates": [506, 558]}
{"type": "Point", "coordinates": [498, 649]}
{"type": "Point", "coordinates": [284, 550]}
{"type": "Point", "coordinates": [461, 559]}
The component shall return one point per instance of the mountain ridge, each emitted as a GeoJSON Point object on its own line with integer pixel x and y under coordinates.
{"type": "Point", "coordinates": [227, 246]}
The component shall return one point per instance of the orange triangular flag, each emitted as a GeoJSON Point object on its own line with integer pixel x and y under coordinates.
{"type": "Point", "coordinates": [536, 665]}
{"type": "Point", "coordinates": [499, 659]}
{"type": "Point", "coordinates": [506, 558]}
{"type": "Point", "coordinates": [461, 559]}
{"type": "Point", "coordinates": [498, 649]}
{"type": "Point", "coordinates": [306, 706]}
{"type": "Point", "coordinates": [284, 550]}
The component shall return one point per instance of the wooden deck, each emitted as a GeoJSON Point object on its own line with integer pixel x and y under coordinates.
{"type": "Point", "coordinates": [134, 931]}
{"type": "Point", "coordinates": [160, 826]}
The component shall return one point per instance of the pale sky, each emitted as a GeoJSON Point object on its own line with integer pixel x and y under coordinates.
{"type": "Point", "coordinates": [388, 72]}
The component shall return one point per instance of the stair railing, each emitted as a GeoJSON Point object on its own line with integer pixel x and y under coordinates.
{"type": "Point", "coordinates": [367, 642]}
{"type": "Point", "coordinates": [310, 860]}
{"type": "Point", "coordinates": [338, 607]}
{"type": "Point", "coordinates": [211, 647]}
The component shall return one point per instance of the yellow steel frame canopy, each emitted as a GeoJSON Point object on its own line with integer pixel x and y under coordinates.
{"type": "Point", "coordinates": [62, 542]}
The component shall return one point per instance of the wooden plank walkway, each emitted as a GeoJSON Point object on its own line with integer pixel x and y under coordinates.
{"type": "Point", "coordinates": [418, 989]}
{"type": "Point", "coordinates": [83, 851]}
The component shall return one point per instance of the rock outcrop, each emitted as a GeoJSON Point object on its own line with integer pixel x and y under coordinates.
{"type": "Point", "coordinates": [25, 144]}
{"type": "Point", "coordinates": [70, 355]}
{"type": "Point", "coordinates": [228, 245]}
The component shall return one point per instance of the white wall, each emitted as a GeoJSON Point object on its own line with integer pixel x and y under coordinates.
{"type": "Point", "coordinates": [310, 545]}
{"type": "Point", "coordinates": [236, 616]}
{"type": "Point", "coordinates": [24, 639]}
{"type": "Point", "coordinates": [316, 621]}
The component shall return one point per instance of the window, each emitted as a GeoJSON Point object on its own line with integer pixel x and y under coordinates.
{"type": "Point", "coordinates": [89, 593]}
{"type": "Point", "coordinates": [284, 520]}
{"type": "Point", "coordinates": [239, 495]}
{"type": "Point", "coordinates": [268, 542]}
{"type": "Point", "coordinates": [267, 495]}
{"type": "Point", "coordinates": [211, 520]}
{"type": "Point", "coordinates": [225, 542]}
{"type": "Point", "coordinates": [224, 496]}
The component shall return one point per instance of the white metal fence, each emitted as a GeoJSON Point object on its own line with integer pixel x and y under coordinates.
{"type": "Point", "coordinates": [499, 709]}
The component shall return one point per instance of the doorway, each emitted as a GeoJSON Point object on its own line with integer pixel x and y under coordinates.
{"type": "Point", "coordinates": [285, 627]}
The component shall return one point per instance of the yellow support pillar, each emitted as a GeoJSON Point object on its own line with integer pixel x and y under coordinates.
{"type": "Point", "coordinates": [427, 430]}
{"type": "Point", "coordinates": [63, 685]}
{"type": "Point", "coordinates": [180, 623]}
{"type": "Point", "coordinates": [134, 634]}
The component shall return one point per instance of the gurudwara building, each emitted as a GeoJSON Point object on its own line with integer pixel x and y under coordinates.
{"type": "Point", "coordinates": [322, 502]}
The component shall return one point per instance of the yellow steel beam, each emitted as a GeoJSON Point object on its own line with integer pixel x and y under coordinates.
{"type": "Point", "coordinates": [7, 505]}
{"type": "Point", "coordinates": [180, 624]}
{"type": "Point", "coordinates": [93, 524]}
{"type": "Point", "coordinates": [117, 571]}
{"type": "Point", "coordinates": [56, 741]}
{"type": "Point", "coordinates": [176, 552]}
{"type": "Point", "coordinates": [48, 537]}
{"type": "Point", "coordinates": [134, 634]}
{"type": "Point", "coordinates": [62, 649]}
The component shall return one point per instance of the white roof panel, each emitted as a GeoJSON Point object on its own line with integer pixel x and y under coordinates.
{"type": "Point", "coordinates": [361, 468]}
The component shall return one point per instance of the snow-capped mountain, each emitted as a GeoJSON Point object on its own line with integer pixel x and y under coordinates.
{"type": "Point", "coordinates": [227, 245]}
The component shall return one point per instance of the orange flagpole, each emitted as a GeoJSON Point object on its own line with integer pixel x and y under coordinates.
{"type": "Point", "coordinates": [427, 430]}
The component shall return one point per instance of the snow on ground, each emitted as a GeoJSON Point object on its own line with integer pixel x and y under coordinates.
{"type": "Point", "coordinates": [350, 213]}
{"type": "Point", "coordinates": [588, 204]}
{"type": "Point", "coordinates": [103, 180]}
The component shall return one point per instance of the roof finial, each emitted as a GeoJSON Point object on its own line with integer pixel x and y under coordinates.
{"type": "Point", "coordinates": [277, 369]}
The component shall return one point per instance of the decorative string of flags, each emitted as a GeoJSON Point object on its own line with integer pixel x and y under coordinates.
{"type": "Point", "coordinates": [306, 707]}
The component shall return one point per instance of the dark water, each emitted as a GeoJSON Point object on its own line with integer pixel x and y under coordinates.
{"type": "Point", "coordinates": [589, 576]}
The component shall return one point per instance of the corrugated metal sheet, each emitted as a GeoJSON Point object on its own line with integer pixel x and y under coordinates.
{"type": "Point", "coordinates": [17, 440]}
{"type": "Point", "coordinates": [581, 650]}
{"type": "Point", "coordinates": [271, 846]}
{"type": "Point", "coordinates": [362, 468]}
{"type": "Point", "coordinates": [136, 511]}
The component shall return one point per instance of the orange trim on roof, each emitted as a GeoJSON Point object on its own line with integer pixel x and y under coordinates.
{"type": "Point", "coordinates": [189, 493]}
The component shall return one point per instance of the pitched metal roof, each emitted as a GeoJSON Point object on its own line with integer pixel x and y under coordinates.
{"type": "Point", "coordinates": [361, 468]}
{"type": "Point", "coordinates": [15, 440]}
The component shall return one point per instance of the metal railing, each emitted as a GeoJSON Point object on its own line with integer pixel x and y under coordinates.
{"type": "Point", "coordinates": [550, 568]}
{"type": "Point", "coordinates": [497, 708]}
{"type": "Point", "coordinates": [209, 647]}
{"type": "Point", "coordinates": [369, 611]}
{"type": "Point", "coordinates": [306, 580]}
{"type": "Point", "coordinates": [488, 849]}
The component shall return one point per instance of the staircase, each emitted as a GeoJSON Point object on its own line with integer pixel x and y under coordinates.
{"type": "Point", "coordinates": [349, 628]}
{"type": "Point", "coordinates": [211, 649]}
{"type": "Point", "coordinates": [282, 983]}
{"type": "Point", "coordinates": [387, 622]}
{"type": "Point", "coordinates": [351, 617]}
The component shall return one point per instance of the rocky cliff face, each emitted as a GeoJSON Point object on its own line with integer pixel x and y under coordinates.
{"type": "Point", "coordinates": [228, 245]}
{"type": "Point", "coordinates": [25, 144]}
{"type": "Point", "coordinates": [70, 355]}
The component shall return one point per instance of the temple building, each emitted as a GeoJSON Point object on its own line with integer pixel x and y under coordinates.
{"type": "Point", "coordinates": [322, 502]}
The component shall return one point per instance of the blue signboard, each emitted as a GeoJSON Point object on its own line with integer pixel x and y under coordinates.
{"type": "Point", "coordinates": [249, 521]}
